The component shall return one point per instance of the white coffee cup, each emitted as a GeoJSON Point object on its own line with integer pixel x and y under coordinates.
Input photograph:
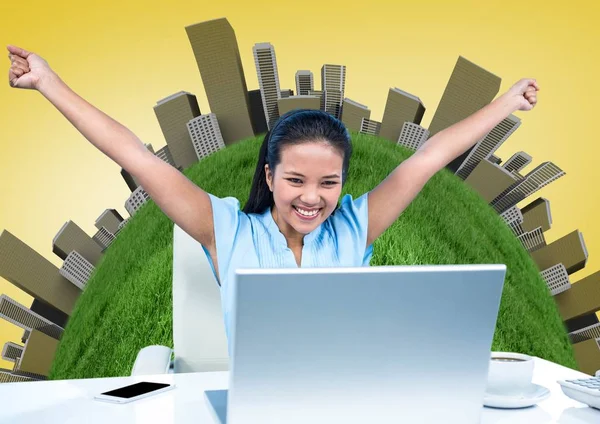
{"type": "Point", "coordinates": [509, 374]}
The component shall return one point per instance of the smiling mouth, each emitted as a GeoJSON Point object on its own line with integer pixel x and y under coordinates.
{"type": "Point", "coordinates": [307, 214]}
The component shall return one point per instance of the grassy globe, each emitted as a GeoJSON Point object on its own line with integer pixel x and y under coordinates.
{"type": "Point", "coordinates": [127, 303]}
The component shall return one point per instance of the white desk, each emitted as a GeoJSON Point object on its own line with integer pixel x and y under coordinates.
{"type": "Point", "coordinates": [71, 401]}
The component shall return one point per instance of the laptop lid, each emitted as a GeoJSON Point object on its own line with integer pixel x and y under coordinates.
{"type": "Point", "coordinates": [363, 344]}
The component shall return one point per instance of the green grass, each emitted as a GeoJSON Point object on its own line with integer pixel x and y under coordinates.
{"type": "Point", "coordinates": [127, 304]}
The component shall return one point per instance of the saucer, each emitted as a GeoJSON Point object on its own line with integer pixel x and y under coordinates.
{"type": "Point", "coordinates": [534, 395]}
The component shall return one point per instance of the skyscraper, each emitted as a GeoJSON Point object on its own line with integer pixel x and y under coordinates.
{"type": "Point", "coordinates": [34, 274]}
{"type": "Point", "coordinates": [173, 113]}
{"type": "Point", "coordinates": [297, 102]}
{"type": "Point", "coordinates": [490, 180]}
{"type": "Point", "coordinates": [218, 58]}
{"type": "Point", "coordinates": [320, 95]}
{"type": "Point", "coordinates": [537, 214]}
{"type": "Point", "coordinates": [400, 107]}
{"type": "Point", "coordinates": [23, 317]}
{"type": "Point", "coordinates": [104, 238]}
{"type": "Point", "coordinates": [135, 201]}
{"type": "Point", "coordinates": [11, 351]}
{"type": "Point", "coordinates": [513, 218]}
{"type": "Point", "coordinates": [541, 176]}
{"type": "Point", "coordinates": [268, 80]}
{"type": "Point", "coordinates": [517, 162]}
{"type": "Point", "coordinates": [369, 126]}
{"type": "Point", "coordinates": [532, 240]}
{"type": "Point", "coordinates": [49, 312]}
{"type": "Point", "coordinates": [304, 82]}
{"type": "Point", "coordinates": [488, 145]}
{"type": "Point", "coordinates": [581, 299]}
{"type": "Point", "coordinates": [71, 237]}
{"type": "Point", "coordinates": [77, 270]}
{"type": "Point", "coordinates": [333, 84]}
{"type": "Point", "coordinates": [257, 112]}
{"type": "Point", "coordinates": [570, 250]}
{"type": "Point", "coordinates": [109, 219]}
{"type": "Point", "coordinates": [353, 113]}
{"type": "Point", "coordinates": [557, 279]}
{"type": "Point", "coordinates": [412, 136]}
{"type": "Point", "coordinates": [206, 135]}
{"type": "Point", "coordinates": [469, 89]}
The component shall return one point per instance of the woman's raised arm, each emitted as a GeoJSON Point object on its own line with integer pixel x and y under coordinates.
{"type": "Point", "coordinates": [186, 204]}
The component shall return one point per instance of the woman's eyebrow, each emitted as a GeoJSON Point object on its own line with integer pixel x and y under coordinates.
{"type": "Point", "coordinates": [300, 175]}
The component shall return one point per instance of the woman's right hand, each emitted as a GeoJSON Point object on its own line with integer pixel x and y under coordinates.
{"type": "Point", "coordinates": [27, 69]}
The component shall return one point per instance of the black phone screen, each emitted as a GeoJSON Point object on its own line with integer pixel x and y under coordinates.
{"type": "Point", "coordinates": [134, 390]}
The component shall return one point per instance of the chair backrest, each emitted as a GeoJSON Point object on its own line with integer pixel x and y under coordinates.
{"type": "Point", "coordinates": [199, 339]}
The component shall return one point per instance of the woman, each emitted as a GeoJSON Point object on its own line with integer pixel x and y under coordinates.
{"type": "Point", "coordinates": [289, 219]}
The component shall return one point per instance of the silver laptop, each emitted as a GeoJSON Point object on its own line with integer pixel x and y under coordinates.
{"type": "Point", "coordinates": [386, 344]}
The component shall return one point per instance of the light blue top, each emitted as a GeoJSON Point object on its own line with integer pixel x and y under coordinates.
{"type": "Point", "coordinates": [254, 241]}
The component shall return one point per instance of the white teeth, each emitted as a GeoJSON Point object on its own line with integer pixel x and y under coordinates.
{"type": "Point", "coordinates": [307, 213]}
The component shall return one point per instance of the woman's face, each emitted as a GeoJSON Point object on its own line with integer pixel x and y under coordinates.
{"type": "Point", "coordinates": [306, 185]}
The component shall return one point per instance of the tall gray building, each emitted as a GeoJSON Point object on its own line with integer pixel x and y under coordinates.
{"type": "Point", "coordinates": [570, 250]}
{"type": "Point", "coordinates": [541, 176]}
{"type": "Point", "coordinates": [517, 162]}
{"type": "Point", "coordinates": [173, 113]}
{"type": "Point", "coordinates": [35, 275]}
{"type": "Point", "coordinates": [557, 279]}
{"type": "Point", "coordinates": [23, 317]}
{"type": "Point", "coordinates": [400, 107]}
{"type": "Point", "coordinates": [333, 85]}
{"type": "Point", "coordinates": [488, 145]}
{"type": "Point", "coordinates": [206, 135]}
{"type": "Point", "coordinates": [135, 201]}
{"type": "Point", "coordinates": [353, 113]}
{"type": "Point", "coordinates": [104, 238]}
{"type": "Point", "coordinates": [11, 351]}
{"type": "Point", "coordinates": [109, 219]}
{"type": "Point", "coordinates": [286, 104]}
{"type": "Point", "coordinates": [257, 112]}
{"type": "Point", "coordinates": [532, 240]}
{"type": "Point", "coordinates": [304, 82]}
{"type": "Point", "coordinates": [71, 237]}
{"type": "Point", "coordinates": [412, 136]}
{"type": "Point", "coordinates": [369, 126]}
{"type": "Point", "coordinates": [218, 58]}
{"type": "Point", "coordinates": [469, 89]}
{"type": "Point", "coordinates": [77, 270]}
{"type": "Point", "coordinates": [513, 218]}
{"type": "Point", "coordinates": [268, 80]}
{"type": "Point", "coordinates": [320, 95]}
{"type": "Point", "coordinates": [537, 214]}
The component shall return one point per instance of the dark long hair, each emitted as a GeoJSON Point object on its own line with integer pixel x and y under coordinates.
{"type": "Point", "coordinates": [292, 128]}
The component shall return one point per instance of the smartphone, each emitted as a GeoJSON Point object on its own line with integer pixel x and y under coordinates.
{"type": "Point", "coordinates": [134, 392]}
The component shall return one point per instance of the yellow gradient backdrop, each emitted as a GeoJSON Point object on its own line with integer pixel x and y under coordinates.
{"type": "Point", "coordinates": [123, 56]}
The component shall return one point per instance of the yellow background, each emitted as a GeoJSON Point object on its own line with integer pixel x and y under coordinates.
{"type": "Point", "coordinates": [124, 56]}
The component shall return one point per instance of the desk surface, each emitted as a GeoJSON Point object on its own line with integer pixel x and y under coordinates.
{"type": "Point", "coordinates": [71, 401]}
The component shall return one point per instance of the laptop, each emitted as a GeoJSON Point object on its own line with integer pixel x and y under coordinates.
{"type": "Point", "coordinates": [384, 344]}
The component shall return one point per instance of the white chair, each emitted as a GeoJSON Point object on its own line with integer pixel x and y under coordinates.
{"type": "Point", "coordinates": [199, 341]}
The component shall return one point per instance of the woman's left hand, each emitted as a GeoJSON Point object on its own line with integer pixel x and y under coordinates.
{"type": "Point", "coordinates": [525, 93]}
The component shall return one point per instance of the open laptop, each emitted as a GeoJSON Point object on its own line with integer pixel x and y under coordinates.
{"type": "Point", "coordinates": [388, 344]}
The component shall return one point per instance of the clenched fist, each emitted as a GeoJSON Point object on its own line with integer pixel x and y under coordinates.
{"type": "Point", "coordinates": [27, 69]}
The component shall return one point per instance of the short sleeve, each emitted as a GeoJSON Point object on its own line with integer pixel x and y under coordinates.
{"type": "Point", "coordinates": [226, 218]}
{"type": "Point", "coordinates": [350, 224]}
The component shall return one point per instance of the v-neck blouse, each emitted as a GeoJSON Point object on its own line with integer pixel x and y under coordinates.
{"type": "Point", "coordinates": [254, 241]}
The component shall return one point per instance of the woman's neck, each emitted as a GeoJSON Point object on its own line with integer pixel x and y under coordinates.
{"type": "Point", "coordinates": [293, 237]}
